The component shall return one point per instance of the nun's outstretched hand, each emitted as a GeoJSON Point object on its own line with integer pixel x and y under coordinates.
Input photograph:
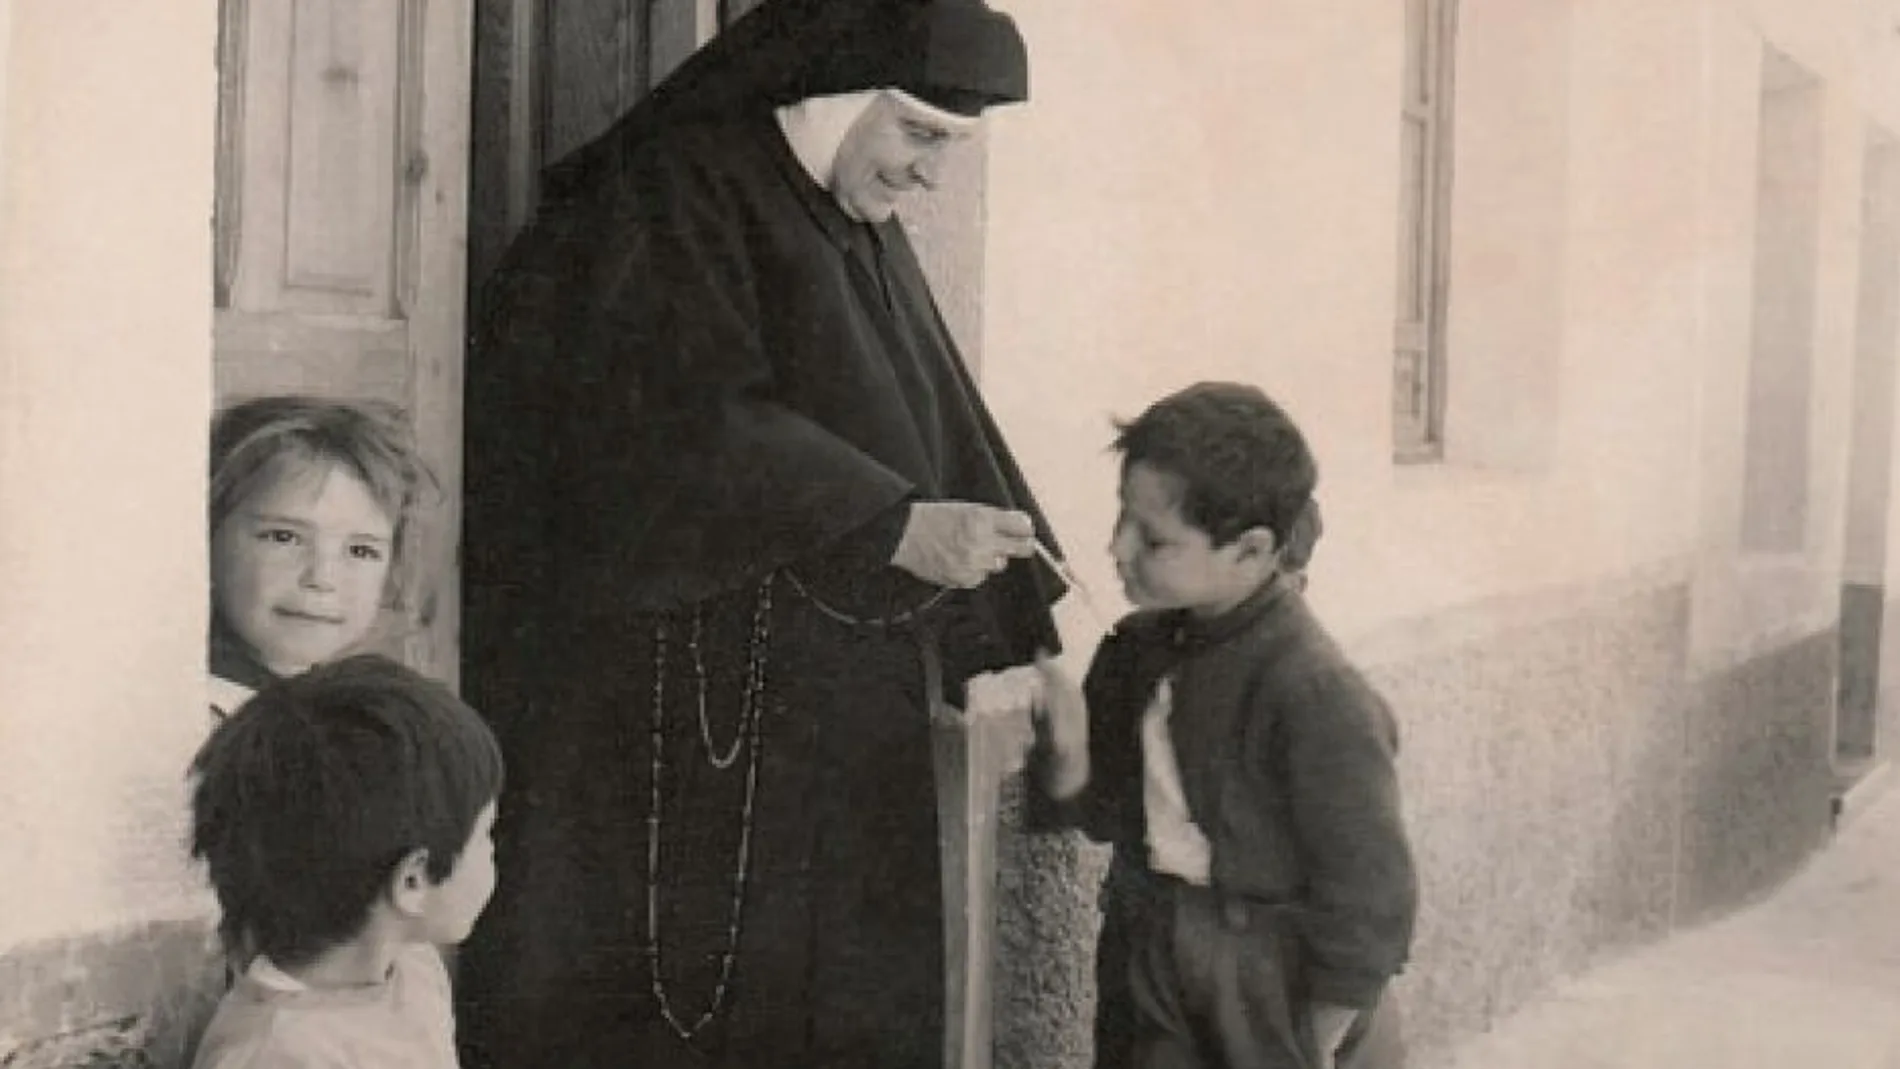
{"type": "Point", "coordinates": [962, 543]}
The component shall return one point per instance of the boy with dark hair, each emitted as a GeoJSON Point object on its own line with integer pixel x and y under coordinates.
{"type": "Point", "coordinates": [345, 818]}
{"type": "Point", "coordinates": [1262, 892]}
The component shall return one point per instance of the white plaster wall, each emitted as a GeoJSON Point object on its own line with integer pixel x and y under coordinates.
{"type": "Point", "coordinates": [1172, 206]}
{"type": "Point", "coordinates": [105, 305]}
{"type": "Point", "coordinates": [1880, 55]}
{"type": "Point", "coordinates": [1747, 601]}
{"type": "Point", "coordinates": [1837, 347]}
{"type": "Point", "coordinates": [1891, 570]}
{"type": "Point", "coordinates": [1210, 191]}
{"type": "Point", "coordinates": [1510, 221]}
{"type": "Point", "coordinates": [1876, 344]}
{"type": "Point", "coordinates": [6, 32]}
{"type": "Point", "coordinates": [1629, 382]}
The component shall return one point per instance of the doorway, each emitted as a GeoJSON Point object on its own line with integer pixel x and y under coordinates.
{"type": "Point", "coordinates": [1870, 463]}
{"type": "Point", "coordinates": [549, 77]}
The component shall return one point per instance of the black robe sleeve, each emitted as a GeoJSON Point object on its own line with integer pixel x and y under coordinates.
{"type": "Point", "coordinates": [693, 379]}
{"type": "Point", "coordinates": [699, 478]}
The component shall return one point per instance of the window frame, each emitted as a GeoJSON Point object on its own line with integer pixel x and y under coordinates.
{"type": "Point", "coordinates": [1424, 232]}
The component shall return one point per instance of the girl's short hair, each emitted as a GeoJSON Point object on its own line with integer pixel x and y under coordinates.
{"type": "Point", "coordinates": [306, 799]}
{"type": "Point", "coordinates": [259, 442]}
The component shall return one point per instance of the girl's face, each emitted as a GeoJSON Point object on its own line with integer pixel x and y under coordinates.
{"type": "Point", "coordinates": [298, 568]}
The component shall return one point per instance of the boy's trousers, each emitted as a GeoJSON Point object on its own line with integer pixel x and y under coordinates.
{"type": "Point", "coordinates": [1190, 978]}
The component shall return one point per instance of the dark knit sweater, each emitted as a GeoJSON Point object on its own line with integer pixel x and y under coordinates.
{"type": "Point", "coordinates": [1287, 758]}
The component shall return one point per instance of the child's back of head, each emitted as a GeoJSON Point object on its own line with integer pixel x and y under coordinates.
{"type": "Point", "coordinates": [315, 795]}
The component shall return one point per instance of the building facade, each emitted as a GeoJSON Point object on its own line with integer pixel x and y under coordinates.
{"type": "Point", "coordinates": [1588, 309]}
{"type": "Point", "coordinates": [1587, 306]}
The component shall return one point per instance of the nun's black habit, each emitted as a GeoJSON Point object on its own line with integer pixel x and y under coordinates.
{"type": "Point", "coordinates": [701, 400]}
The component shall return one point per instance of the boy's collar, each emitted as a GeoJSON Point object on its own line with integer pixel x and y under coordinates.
{"type": "Point", "coordinates": [266, 974]}
{"type": "Point", "coordinates": [1188, 631]}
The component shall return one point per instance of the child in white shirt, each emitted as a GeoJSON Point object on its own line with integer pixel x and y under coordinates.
{"type": "Point", "coordinates": [345, 817]}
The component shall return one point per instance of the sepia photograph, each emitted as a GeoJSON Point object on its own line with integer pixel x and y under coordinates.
{"type": "Point", "coordinates": [949, 534]}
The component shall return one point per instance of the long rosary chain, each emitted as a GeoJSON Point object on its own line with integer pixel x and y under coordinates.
{"type": "Point", "coordinates": [752, 716]}
{"type": "Point", "coordinates": [705, 723]}
{"type": "Point", "coordinates": [837, 615]}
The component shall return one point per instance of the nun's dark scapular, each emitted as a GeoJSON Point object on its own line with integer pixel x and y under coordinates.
{"type": "Point", "coordinates": [705, 400]}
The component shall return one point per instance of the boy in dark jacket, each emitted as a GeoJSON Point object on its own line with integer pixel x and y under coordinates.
{"type": "Point", "coordinates": [1262, 893]}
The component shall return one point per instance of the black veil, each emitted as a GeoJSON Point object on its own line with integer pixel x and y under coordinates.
{"type": "Point", "coordinates": [956, 53]}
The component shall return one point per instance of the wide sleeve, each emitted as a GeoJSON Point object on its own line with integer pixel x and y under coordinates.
{"type": "Point", "coordinates": [1361, 892]}
{"type": "Point", "coordinates": [717, 481]}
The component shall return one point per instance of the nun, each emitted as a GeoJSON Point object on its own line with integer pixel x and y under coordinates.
{"type": "Point", "coordinates": [737, 524]}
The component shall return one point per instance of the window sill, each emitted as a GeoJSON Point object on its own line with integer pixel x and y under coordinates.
{"type": "Point", "coordinates": [1429, 453]}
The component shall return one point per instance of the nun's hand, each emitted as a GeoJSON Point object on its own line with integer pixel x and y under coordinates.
{"type": "Point", "coordinates": [961, 543]}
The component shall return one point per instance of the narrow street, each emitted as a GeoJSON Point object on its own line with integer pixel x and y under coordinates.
{"type": "Point", "coordinates": [1808, 978]}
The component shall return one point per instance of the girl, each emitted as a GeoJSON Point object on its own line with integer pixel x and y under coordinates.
{"type": "Point", "coordinates": [312, 516]}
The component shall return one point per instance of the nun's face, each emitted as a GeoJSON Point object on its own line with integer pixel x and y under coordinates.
{"type": "Point", "coordinates": [892, 150]}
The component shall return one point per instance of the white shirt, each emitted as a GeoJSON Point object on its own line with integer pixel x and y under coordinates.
{"type": "Point", "coordinates": [226, 697]}
{"type": "Point", "coordinates": [1176, 845]}
{"type": "Point", "coordinates": [268, 1020]}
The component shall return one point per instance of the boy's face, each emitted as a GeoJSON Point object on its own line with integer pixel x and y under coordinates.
{"type": "Point", "coordinates": [1165, 562]}
{"type": "Point", "coordinates": [298, 568]}
{"type": "Point", "coordinates": [457, 902]}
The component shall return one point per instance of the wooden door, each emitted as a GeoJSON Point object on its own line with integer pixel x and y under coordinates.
{"type": "Point", "coordinates": [550, 76]}
{"type": "Point", "coordinates": [340, 226]}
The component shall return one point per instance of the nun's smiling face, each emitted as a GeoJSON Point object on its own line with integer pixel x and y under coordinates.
{"type": "Point", "coordinates": [892, 150]}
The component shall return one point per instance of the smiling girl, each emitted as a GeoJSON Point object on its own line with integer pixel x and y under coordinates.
{"type": "Point", "coordinates": [312, 507]}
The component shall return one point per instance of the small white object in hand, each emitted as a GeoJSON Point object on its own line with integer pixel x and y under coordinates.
{"type": "Point", "coordinates": [1011, 692]}
{"type": "Point", "coordinates": [1002, 705]}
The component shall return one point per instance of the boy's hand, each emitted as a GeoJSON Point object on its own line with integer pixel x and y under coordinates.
{"type": "Point", "coordinates": [1061, 704]}
{"type": "Point", "coordinates": [1044, 690]}
{"type": "Point", "coordinates": [1067, 716]}
{"type": "Point", "coordinates": [1330, 1025]}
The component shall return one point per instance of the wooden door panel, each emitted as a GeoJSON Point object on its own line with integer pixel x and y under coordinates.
{"type": "Point", "coordinates": [600, 70]}
{"type": "Point", "coordinates": [340, 223]}
{"type": "Point", "coordinates": [345, 93]}
{"type": "Point", "coordinates": [317, 162]}
{"type": "Point", "coordinates": [554, 76]}
{"type": "Point", "coordinates": [260, 354]}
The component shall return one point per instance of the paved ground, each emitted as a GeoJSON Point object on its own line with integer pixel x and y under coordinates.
{"type": "Point", "coordinates": [1809, 979]}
